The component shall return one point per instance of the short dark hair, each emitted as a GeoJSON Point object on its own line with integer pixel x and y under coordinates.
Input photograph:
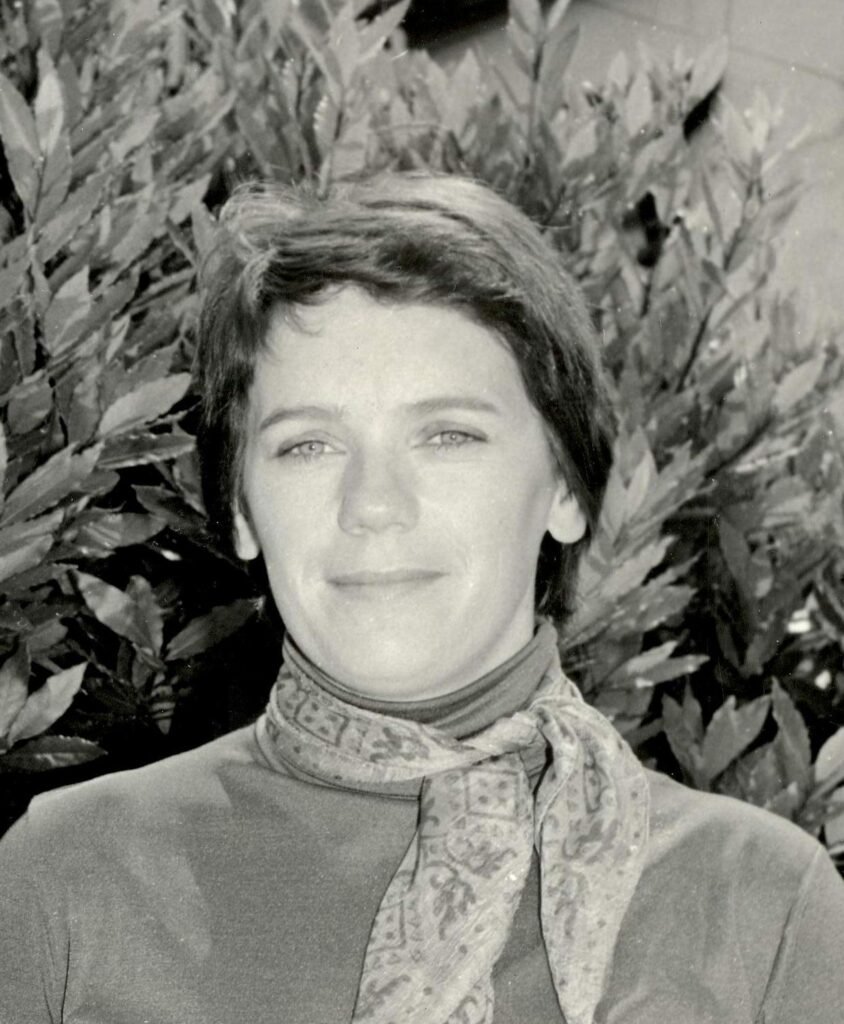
{"type": "Point", "coordinates": [403, 237]}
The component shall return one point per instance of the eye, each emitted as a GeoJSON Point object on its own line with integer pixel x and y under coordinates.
{"type": "Point", "coordinates": [445, 440]}
{"type": "Point", "coordinates": [305, 451]}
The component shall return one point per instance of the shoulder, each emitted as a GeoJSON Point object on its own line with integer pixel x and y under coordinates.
{"type": "Point", "coordinates": [728, 906]}
{"type": "Point", "coordinates": [117, 806]}
{"type": "Point", "coordinates": [707, 823]}
{"type": "Point", "coordinates": [732, 850]}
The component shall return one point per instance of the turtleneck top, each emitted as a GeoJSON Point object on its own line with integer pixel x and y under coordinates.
{"type": "Point", "coordinates": [216, 888]}
{"type": "Point", "coordinates": [463, 711]}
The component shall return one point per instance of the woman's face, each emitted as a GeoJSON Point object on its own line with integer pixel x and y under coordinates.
{"type": "Point", "coordinates": [398, 483]}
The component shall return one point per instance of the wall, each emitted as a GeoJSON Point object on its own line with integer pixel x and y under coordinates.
{"type": "Point", "coordinates": [792, 51]}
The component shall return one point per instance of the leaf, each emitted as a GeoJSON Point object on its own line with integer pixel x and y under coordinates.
{"type": "Point", "coordinates": [47, 704]}
{"type": "Point", "coordinates": [638, 110]}
{"type": "Point", "coordinates": [144, 449]}
{"type": "Point", "coordinates": [787, 802]}
{"type": "Point", "coordinates": [628, 575]}
{"type": "Point", "coordinates": [556, 57]}
{"type": "Point", "coordinates": [4, 462]}
{"type": "Point", "coordinates": [30, 403]}
{"type": "Point", "coordinates": [46, 635]}
{"type": "Point", "coordinates": [792, 743]}
{"type": "Point", "coordinates": [53, 139]}
{"type": "Point", "coordinates": [736, 551]}
{"type": "Point", "coordinates": [49, 21]}
{"type": "Point", "coordinates": [374, 35]}
{"type": "Point", "coordinates": [830, 759]}
{"type": "Point", "coordinates": [618, 72]}
{"type": "Point", "coordinates": [179, 514]}
{"type": "Point", "coordinates": [799, 382]}
{"type": "Point", "coordinates": [140, 222]}
{"type": "Point", "coordinates": [555, 15]}
{"type": "Point", "coordinates": [739, 141]}
{"type": "Point", "coordinates": [756, 777]}
{"type": "Point", "coordinates": [349, 155]}
{"type": "Point", "coordinates": [118, 611]}
{"type": "Point", "coordinates": [13, 278]}
{"type": "Point", "coordinates": [650, 658]}
{"type": "Point", "coordinates": [76, 212]}
{"type": "Point", "coordinates": [83, 414]}
{"type": "Point", "coordinates": [14, 688]}
{"type": "Point", "coordinates": [522, 48]}
{"type": "Point", "coordinates": [129, 18]}
{"type": "Point", "coordinates": [684, 731]}
{"type": "Point", "coordinates": [527, 14]}
{"type": "Point", "coordinates": [65, 316]}
{"type": "Point", "coordinates": [464, 90]}
{"type": "Point", "coordinates": [146, 403]}
{"type": "Point", "coordinates": [714, 212]}
{"type": "Point", "coordinates": [216, 16]}
{"type": "Point", "coordinates": [187, 198]}
{"type": "Point", "coordinates": [834, 824]}
{"type": "Point", "coordinates": [206, 631]}
{"type": "Point", "coordinates": [105, 531]}
{"type": "Point", "coordinates": [58, 477]}
{"type": "Point", "coordinates": [135, 133]}
{"type": "Point", "coordinates": [20, 142]}
{"type": "Point", "coordinates": [341, 53]}
{"type": "Point", "coordinates": [24, 557]}
{"type": "Point", "coordinates": [276, 15]}
{"type": "Point", "coordinates": [49, 106]}
{"type": "Point", "coordinates": [203, 228]}
{"type": "Point", "coordinates": [671, 668]}
{"type": "Point", "coordinates": [732, 730]}
{"type": "Point", "coordinates": [47, 752]}
{"type": "Point", "coordinates": [640, 484]}
{"type": "Point", "coordinates": [708, 70]}
{"type": "Point", "coordinates": [582, 143]}
{"type": "Point", "coordinates": [13, 536]}
{"type": "Point", "coordinates": [150, 614]}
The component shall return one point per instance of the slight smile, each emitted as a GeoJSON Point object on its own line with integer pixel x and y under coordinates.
{"type": "Point", "coordinates": [388, 582]}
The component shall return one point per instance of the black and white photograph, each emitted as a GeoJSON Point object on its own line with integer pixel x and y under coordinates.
{"type": "Point", "coordinates": [421, 512]}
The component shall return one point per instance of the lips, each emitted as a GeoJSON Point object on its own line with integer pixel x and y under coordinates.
{"type": "Point", "coordinates": [384, 577]}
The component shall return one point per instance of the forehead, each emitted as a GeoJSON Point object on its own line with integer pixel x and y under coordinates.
{"type": "Point", "coordinates": [352, 349]}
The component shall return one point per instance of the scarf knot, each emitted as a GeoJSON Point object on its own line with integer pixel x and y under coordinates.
{"type": "Point", "coordinates": [444, 920]}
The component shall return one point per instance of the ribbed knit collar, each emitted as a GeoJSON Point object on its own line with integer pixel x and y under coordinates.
{"type": "Point", "coordinates": [464, 711]}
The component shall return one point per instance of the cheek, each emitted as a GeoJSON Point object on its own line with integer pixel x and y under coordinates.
{"type": "Point", "coordinates": [499, 530]}
{"type": "Point", "coordinates": [286, 527]}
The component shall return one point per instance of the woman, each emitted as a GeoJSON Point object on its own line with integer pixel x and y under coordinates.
{"type": "Point", "coordinates": [405, 421]}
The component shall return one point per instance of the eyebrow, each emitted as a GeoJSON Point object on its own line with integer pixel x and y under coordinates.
{"type": "Point", "coordinates": [301, 412]}
{"type": "Point", "coordinates": [445, 403]}
{"type": "Point", "coordinates": [424, 407]}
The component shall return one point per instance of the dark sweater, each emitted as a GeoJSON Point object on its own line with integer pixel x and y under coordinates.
{"type": "Point", "coordinates": [211, 888]}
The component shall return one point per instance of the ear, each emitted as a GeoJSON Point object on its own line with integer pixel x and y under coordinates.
{"type": "Point", "coordinates": [245, 540]}
{"type": "Point", "coordinates": [566, 521]}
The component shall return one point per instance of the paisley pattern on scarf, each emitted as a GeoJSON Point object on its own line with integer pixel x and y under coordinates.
{"type": "Point", "coordinates": [444, 919]}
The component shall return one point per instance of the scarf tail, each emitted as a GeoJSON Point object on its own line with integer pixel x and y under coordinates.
{"type": "Point", "coordinates": [446, 915]}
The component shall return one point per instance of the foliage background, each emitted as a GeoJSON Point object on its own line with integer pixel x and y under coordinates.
{"type": "Point", "coordinates": [711, 617]}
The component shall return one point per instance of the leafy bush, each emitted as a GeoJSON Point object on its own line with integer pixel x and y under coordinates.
{"type": "Point", "coordinates": [711, 620]}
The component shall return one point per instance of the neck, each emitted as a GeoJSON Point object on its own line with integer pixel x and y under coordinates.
{"type": "Point", "coordinates": [463, 711]}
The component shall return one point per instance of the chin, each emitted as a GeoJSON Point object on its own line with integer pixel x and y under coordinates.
{"type": "Point", "coordinates": [380, 668]}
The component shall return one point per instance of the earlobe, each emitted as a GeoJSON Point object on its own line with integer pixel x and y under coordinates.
{"type": "Point", "coordinates": [566, 521]}
{"type": "Point", "coordinates": [245, 541]}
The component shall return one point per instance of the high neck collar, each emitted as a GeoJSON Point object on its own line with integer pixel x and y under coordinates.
{"type": "Point", "coordinates": [462, 712]}
{"type": "Point", "coordinates": [447, 912]}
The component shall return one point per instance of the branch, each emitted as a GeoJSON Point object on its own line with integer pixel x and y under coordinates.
{"type": "Point", "coordinates": [700, 334]}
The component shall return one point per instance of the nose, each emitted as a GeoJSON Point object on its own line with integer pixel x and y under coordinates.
{"type": "Point", "coordinates": [378, 495]}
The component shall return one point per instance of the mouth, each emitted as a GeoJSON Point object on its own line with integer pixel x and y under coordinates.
{"type": "Point", "coordinates": [387, 582]}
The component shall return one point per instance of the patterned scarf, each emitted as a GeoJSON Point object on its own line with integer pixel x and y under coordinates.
{"type": "Point", "coordinates": [444, 919]}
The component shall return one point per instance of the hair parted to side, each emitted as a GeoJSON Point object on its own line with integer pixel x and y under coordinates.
{"type": "Point", "coordinates": [403, 237]}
